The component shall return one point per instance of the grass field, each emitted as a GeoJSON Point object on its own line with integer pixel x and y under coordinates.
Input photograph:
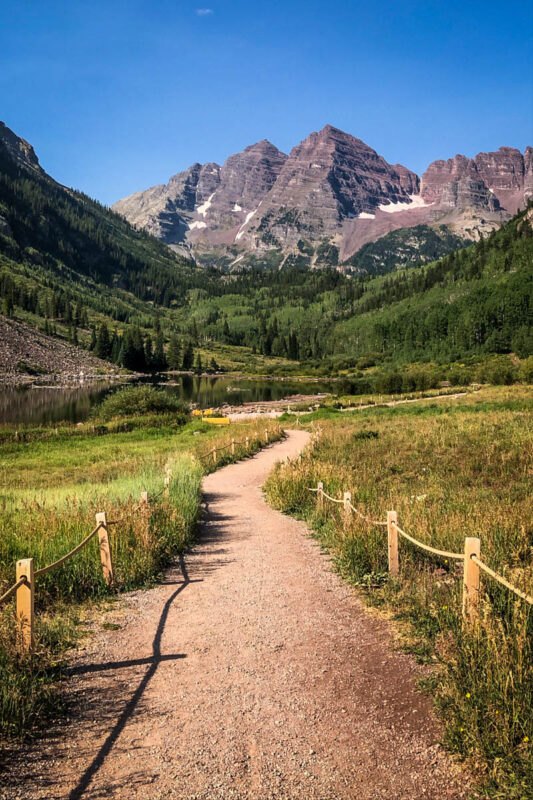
{"type": "Point", "coordinates": [450, 469]}
{"type": "Point", "coordinates": [52, 486]}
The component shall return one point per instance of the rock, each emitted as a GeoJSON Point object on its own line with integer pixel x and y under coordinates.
{"type": "Point", "coordinates": [18, 150]}
{"type": "Point", "coordinates": [490, 181]}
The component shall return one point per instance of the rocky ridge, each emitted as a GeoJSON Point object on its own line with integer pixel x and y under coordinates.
{"type": "Point", "coordinates": [331, 191]}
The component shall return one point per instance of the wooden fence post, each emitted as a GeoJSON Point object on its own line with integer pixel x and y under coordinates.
{"type": "Point", "coordinates": [392, 519]}
{"type": "Point", "coordinates": [233, 447]}
{"type": "Point", "coordinates": [247, 443]}
{"type": "Point", "coordinates": [25, 603]}
{"type": "Point", "coordinates": [319, 495]}
{"type": "Point", "coordinates": [266, 435]}
{"type": "Point", "coordinates": [105, 550]}
{"type": "Point", "coordinates": [214, 455]}
{"type": "Point", "coordinates": [144, 498]}
{"type": "Point", "coordinates": [471, 581]}
{"type": "Point", "coordinates": [347, 499]}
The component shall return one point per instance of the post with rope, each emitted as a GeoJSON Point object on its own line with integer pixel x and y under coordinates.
{"type": "Point", "coordinates": [247, 444]}
{"type": "Point", "coordinates": [214, 455]}
{"type": "Point", "coordinates": [266, 435]}
{"type": "Point", "coordinates": [392, 519]}
{"type": "Point", "coordinates": [319, 494]}
{"type": "Point", "coordinates": [347, 499]}
{"type": "Point", "coordinates": [105, 550]}
{"type": "Point", "coordinates": [233, 447]}
{"type": "Point", "coordinates": [471, 581]}
{"type": "Point", "coordinates": [25, 603]}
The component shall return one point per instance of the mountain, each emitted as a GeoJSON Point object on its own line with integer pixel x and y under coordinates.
{"type": "Point", "coordinates": [62, 235]}
{"type": "Point", "coordinates": [69, 266]}
{"type": "Point", "coordinates": [206, 202]}
{"type": "Point", "coordinates": [333, 192]}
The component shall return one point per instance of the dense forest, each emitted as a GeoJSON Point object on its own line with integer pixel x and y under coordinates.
{"type": "Point", "coordinates": [76, 270]}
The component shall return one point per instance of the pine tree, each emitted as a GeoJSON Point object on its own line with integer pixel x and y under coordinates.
{"type": "Point", "coordinates": [188, 356]}
{"type": "Point", "coordinates": [198, 366]}
{"type": "Point", "coordinates": [148, 353]}
{"type": "Point", "coordinates": [174, 352]}
{"type": "Point", "coordinates": [160, 359]}
{"type": "Point", "coordinates": [103, 343]}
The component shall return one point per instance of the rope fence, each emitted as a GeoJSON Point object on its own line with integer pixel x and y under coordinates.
{"type": "Point", "coordinates": [26, 574]}
{"type": "Point", "coordinates": [470, 557]}
{"type": "Point", "coordinates": [215, 450]}
{"type": "Point", "coordinates": [50, 567]}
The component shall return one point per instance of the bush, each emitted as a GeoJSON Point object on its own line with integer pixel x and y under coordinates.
{"type": "Point", "coordinates": [526, 370]}
{"type": "Point", "coordinates": [135, 400]}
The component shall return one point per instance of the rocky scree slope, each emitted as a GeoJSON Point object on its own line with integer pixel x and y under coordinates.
{"type": "Point", "coordinates": [27, 354]}
{"type": "Point", "coordinates": [333, 191]}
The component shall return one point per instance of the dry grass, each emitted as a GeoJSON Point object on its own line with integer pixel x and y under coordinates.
{"type": "Point", "coordinates": [460, 468]}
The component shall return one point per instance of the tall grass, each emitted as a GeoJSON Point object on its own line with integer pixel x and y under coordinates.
{"type": "Point", "coordinates": [449, 473]}
{"type": "Point", "coordinates": [53, 487]}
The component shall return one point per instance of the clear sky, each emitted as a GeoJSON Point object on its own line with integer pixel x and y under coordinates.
{"type": "Point", "coordinates": [117, 95]}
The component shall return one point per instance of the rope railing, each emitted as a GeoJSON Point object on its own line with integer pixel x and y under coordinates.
{"type": "Point", "coordinates": [12, 589]}
{"type": "Point", "coordinates": [367, 519]}
{"type": "Point", "coordinates": [24, 587]}
{"type": "Point", "coordinates": [329, 497]}
{"type": "Point", "coordinates": [234, 443]}
{"type": "Point", "coordinates": [470, 557]}
{"type": "Point", "coordinates": [427, 547]}
{"type": "Point", "coordinates": [38, 572]}
{"type": "Point", "coordinates": [481, 564]}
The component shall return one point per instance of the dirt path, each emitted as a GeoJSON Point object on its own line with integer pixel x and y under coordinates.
{"type": "Point", "coordinates": [275, 408]}
{"type": "Point", "coordinates": [251, 672]}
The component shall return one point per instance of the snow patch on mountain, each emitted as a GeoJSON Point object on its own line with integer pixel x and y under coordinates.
{"type": "Point", "coordinates": [203, 209]}
{"type": "Point", "coordinates": [415, 201]}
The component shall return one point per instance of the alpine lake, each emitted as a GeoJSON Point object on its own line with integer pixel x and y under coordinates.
{"type": "Point", "coordinates": [36, 404]}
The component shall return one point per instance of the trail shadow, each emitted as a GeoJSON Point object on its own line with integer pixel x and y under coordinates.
{"type": "Point", "coordinates": [154, 661]}
{"type": "Point", "coordinates": [84, 669]}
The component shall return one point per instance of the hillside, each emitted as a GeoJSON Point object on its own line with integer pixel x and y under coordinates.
{"type": "Point", "coordinates": [26, 353]}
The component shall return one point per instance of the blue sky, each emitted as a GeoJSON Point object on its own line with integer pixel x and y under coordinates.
{"type": "Point", "coordinates": [117, 95]}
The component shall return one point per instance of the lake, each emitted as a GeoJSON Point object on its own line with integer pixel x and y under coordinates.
{"type": "Point", "coordinates": [37, 405]}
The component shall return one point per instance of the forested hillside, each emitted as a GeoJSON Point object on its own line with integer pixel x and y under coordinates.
{"type": "Point", "coordinates": [74, 269]}
{"type": "Point", "coordinates": [477, 300]}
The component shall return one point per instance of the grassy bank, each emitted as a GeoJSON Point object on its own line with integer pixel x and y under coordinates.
{"type": "Point", "coordinates": [53, 484]}
{"type": "Point", "coordinates": [450, 469]}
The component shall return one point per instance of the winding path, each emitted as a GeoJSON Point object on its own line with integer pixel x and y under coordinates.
{"type": "Point", "coordinates": [251, 672]}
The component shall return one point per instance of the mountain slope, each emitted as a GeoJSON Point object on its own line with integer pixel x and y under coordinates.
{"type": "Point", "coordinates": [332, 189]}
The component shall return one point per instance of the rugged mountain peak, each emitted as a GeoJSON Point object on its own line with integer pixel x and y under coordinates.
{"type": "Point", "coordinates": [331, 176]}
{"type": "Point", "coordinates": [490, 181]}
{"type": "Point", "coordinates": [17, 149]}
{"type": "Point", "coordinates": [331, 190]}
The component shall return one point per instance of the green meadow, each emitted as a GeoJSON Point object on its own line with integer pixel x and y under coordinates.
{"type": "Point", "coordinates": [451, 469]}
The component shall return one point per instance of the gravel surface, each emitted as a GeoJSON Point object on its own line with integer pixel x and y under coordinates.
{"type": "Point", "coordinates": [251, 672]}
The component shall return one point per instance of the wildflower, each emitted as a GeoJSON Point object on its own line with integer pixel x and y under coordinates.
{"type": "Point", "coordinates": [468, 694]}
{"type": "Point", "coordinates": [526, 739]}
{"type": "Point", "coordinates": [461, 729]}
{"type": "Point", "coordinates": [444, 608]}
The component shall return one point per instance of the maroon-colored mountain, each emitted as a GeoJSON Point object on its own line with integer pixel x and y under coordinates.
{"type": "Point", "coordinates": [334, 190]}
{"type": "Point", "coordinates": [501, 179]}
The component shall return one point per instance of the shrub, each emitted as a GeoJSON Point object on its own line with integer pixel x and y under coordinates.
{"type": "Point", "coordinates": [134, 400]}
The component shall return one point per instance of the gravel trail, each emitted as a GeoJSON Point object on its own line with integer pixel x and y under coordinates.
{"type": "Point", "coordinates": [251, 672]}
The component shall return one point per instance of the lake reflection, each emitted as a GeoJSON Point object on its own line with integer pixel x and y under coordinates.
{"type": "Point", "coordinates": [44, 405]}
